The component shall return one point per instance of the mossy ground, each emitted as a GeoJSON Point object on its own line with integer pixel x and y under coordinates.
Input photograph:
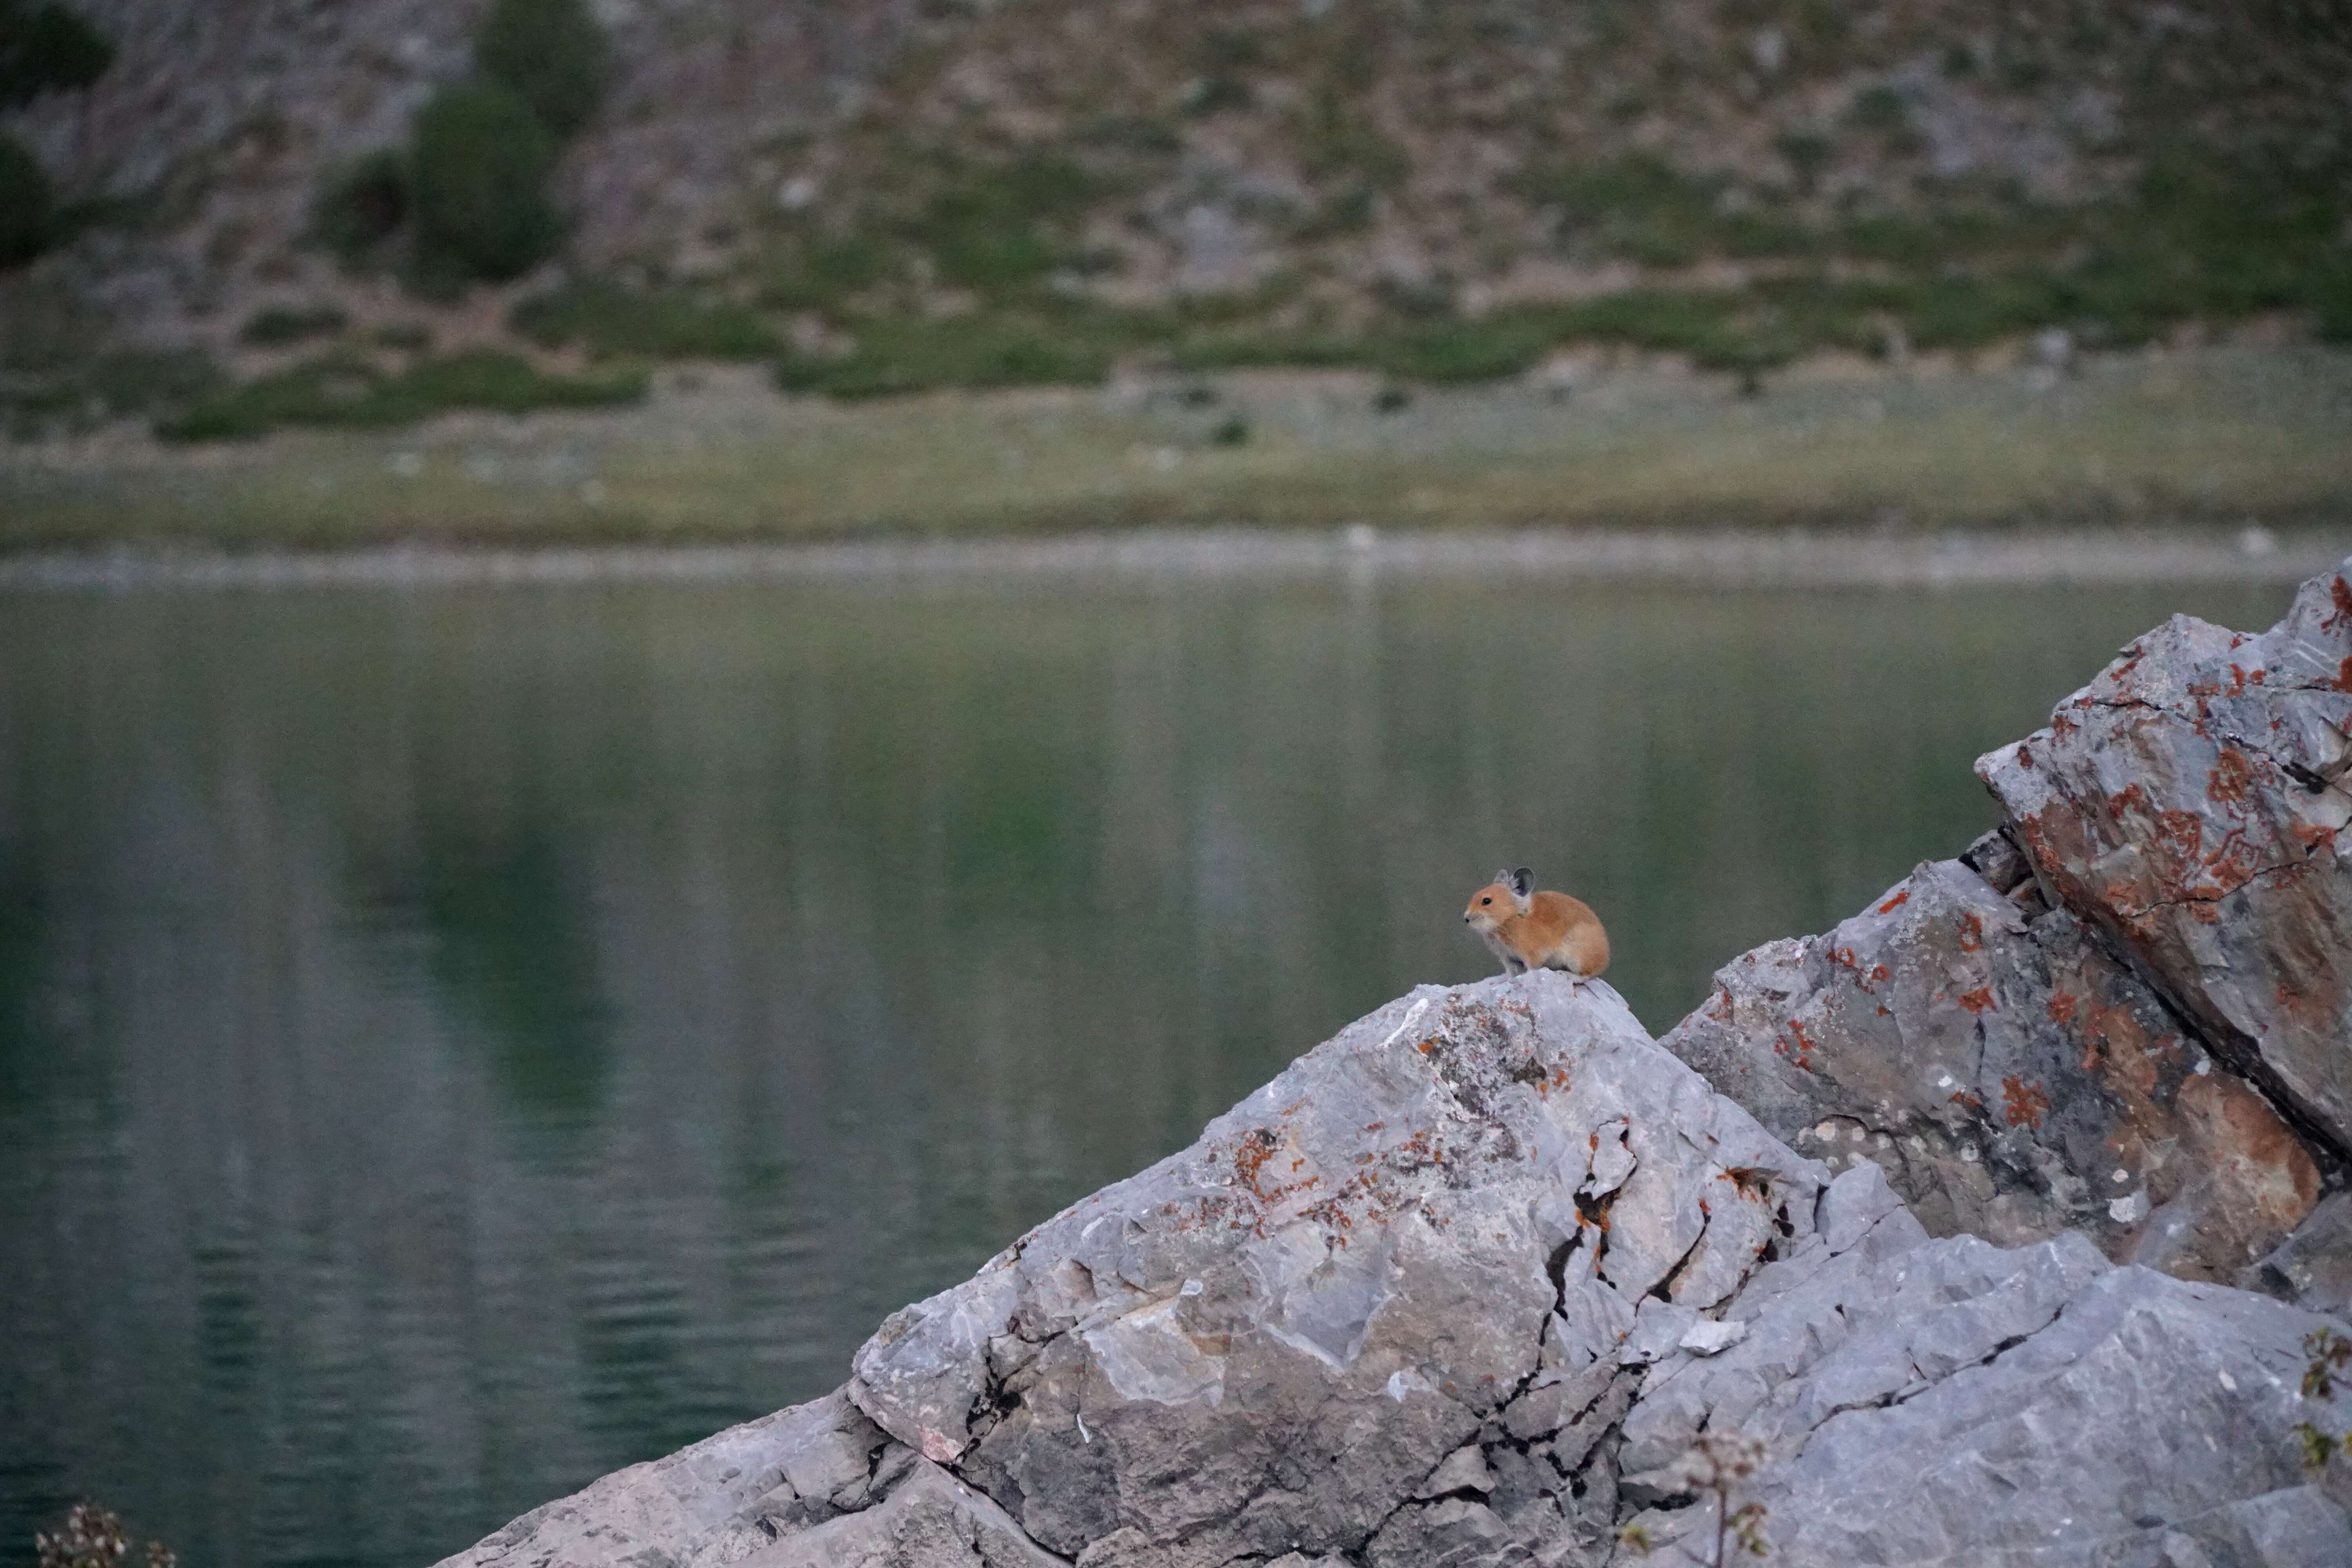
{"type": "Point", "coordinates": [2221, 433]}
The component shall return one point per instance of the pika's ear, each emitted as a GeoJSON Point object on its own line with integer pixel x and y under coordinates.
{"type": "Point", "coordinates": [1523, 883]}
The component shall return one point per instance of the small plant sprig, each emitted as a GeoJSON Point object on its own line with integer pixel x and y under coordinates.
{"type": "Point", "coordinates": [93, 1537]}
{"type": "Point", "coordinates": [1719, 1464]}
{"type": "Point", "coordinates": [2330, 1353]}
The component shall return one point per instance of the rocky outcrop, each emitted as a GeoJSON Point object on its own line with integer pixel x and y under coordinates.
{"type": "Point", "coordinates": [1460, 1287]}
{"type": "Point", "coordinates": [2126, 1013]}
{"type": "Point", "coordinates": [1483, 1279]}
{"type": "Point", "coordinates": [1439, 1227]}
{"type": "Point", "coordinates": [2188, 804]}
{"type": "Point", "coordinates": [1950, 1402]}
{"type": "Point", "coordinates": [2012, 1078]}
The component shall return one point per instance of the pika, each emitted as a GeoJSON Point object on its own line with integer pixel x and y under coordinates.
{"type": "Point", "coordinates": [1528, 930]}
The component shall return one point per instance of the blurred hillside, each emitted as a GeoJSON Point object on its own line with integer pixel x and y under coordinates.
{"type": "Point", "coordinates": [290, 211]}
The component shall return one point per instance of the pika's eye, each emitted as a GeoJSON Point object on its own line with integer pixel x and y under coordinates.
{"type": "Point", "coordinates": [1486, 901]}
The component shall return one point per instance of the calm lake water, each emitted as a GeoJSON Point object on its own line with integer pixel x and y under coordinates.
{"type": "Point", "coordinates": [454, 1044]}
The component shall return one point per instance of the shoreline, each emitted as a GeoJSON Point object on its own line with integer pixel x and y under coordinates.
{"type": "Point", "coordinates": [718, 474]}
{"type": "Point", "coordinates": [1728, 558]}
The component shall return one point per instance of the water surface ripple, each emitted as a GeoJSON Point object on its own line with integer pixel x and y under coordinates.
{"type": "Point", "coordinates": [456, 1042]}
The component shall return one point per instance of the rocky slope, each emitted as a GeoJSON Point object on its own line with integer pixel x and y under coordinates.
{"type": "Point", "coordinates": [1492, 1278]}
{"type": "Point", "coordinates": [911, 194]}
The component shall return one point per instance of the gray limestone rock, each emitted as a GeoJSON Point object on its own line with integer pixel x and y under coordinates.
{"type": "Point", "coordinates": [2190, 804]}
{"type": "Point", "coordinates": [713, 1503]}
{"type": "Point", "coordinates": [2312, 1268]}
{"type": "Point", "coordinates": [1346, 1279]}
{"type": "Point", "coordinates": [1461, 1287]}
{"type": "Point", "coordinates": [1946, 1402]}
{"type": "Point", "coordinates": [930, 1520]}
{"type": "Point", "coordinates": [2012, 1078]}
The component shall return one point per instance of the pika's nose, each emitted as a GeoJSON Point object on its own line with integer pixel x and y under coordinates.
{"type": "Point", "coordinates": [1465, 917]}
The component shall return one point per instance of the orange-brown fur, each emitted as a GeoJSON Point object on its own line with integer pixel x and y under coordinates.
{"type": "Point", "coordinates": [1528, 930]}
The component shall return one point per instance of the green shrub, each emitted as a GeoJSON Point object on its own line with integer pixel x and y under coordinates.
{"type": "Point", "coordinates": [29, 218]}
{"type": "Point", "coordinates": [479, 170]}
{"type": "Point", "coordinates": [508, 383]}
{"type": "Point", "coordinates": [1337, 142]}
{"type": "Point", "coordinates": [825, 272]}
{"type": "Point", "coordinates": [92, 388]}
{"type": "Point", "coordinates": [606, 319]}
{"type": "Point", "coordinates": [280, 326]}
{"type": "Point", "coordinates": [47, 48]}
{"type": "Point", "coordinates": [989, 230]}
{"type": "Point", "coordinates": [1807, 152]}
{"type": "Point", "coordinates": [551, 53]}
{"type": "Point", "coordinates": [341, 390]}
{"type": "Point", "coordinates": [977, 351]}
{"type": "Point", "coordinates": [360, 205]}
{"type": "Point", "coordinates": [2331, 303]}
{"type": "Point", "coordinates": [1486, 348]}
{"type": "Point", "coordinates": [1879, 109]}
{"type": "Point", "coordinates": [1217, 93]}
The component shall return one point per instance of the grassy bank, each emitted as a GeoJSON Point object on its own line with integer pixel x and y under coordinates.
{"type": "Point", "coordinates": [2224, 433]}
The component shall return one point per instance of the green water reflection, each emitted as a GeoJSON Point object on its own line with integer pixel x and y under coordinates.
{"type": "Point", "coordinates": [455, 1043]}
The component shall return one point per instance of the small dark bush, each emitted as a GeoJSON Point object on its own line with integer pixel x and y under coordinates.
{"type": "Point", "coordinates": [1456, 350]}
{"type": "Point", "coordinates": [2332, 304]}
{"type": "Point", "coordinates": [1233, 430]}
{"type": "Point", "coordinates": [990, 230]}
{"type": "Point", "coordinates": [28, 205]}
{"type": "Point", "coordinates": [507, 384]}
{"type": "Point", "coordinates": [1218, 93]}
{"type": "Point", "coordinates": [280, 325]}
{"type": "Point", "coordinates": [551, 53]}
{"type": "Point", "coordinates": [47, 48]}
{"type": "Point", "coordinates": [1349, 210]}
{"type": "Point", "coordinates": [1878, 109]}
{"type": "Point", "coordinates": [360, 205]}
{"type": "Point", "coordinates": [1808, 154]}
{"type": "Point", "coordinates": [90, 389]}
{"type": "Point", "coordinates": [478, 172]}
{"type": "Point", "coordinates": [1392, 400]}
{"type": "Point", "coordinates": [606, 319]}
{"type": "Point", "coordinates": [824, 273]}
